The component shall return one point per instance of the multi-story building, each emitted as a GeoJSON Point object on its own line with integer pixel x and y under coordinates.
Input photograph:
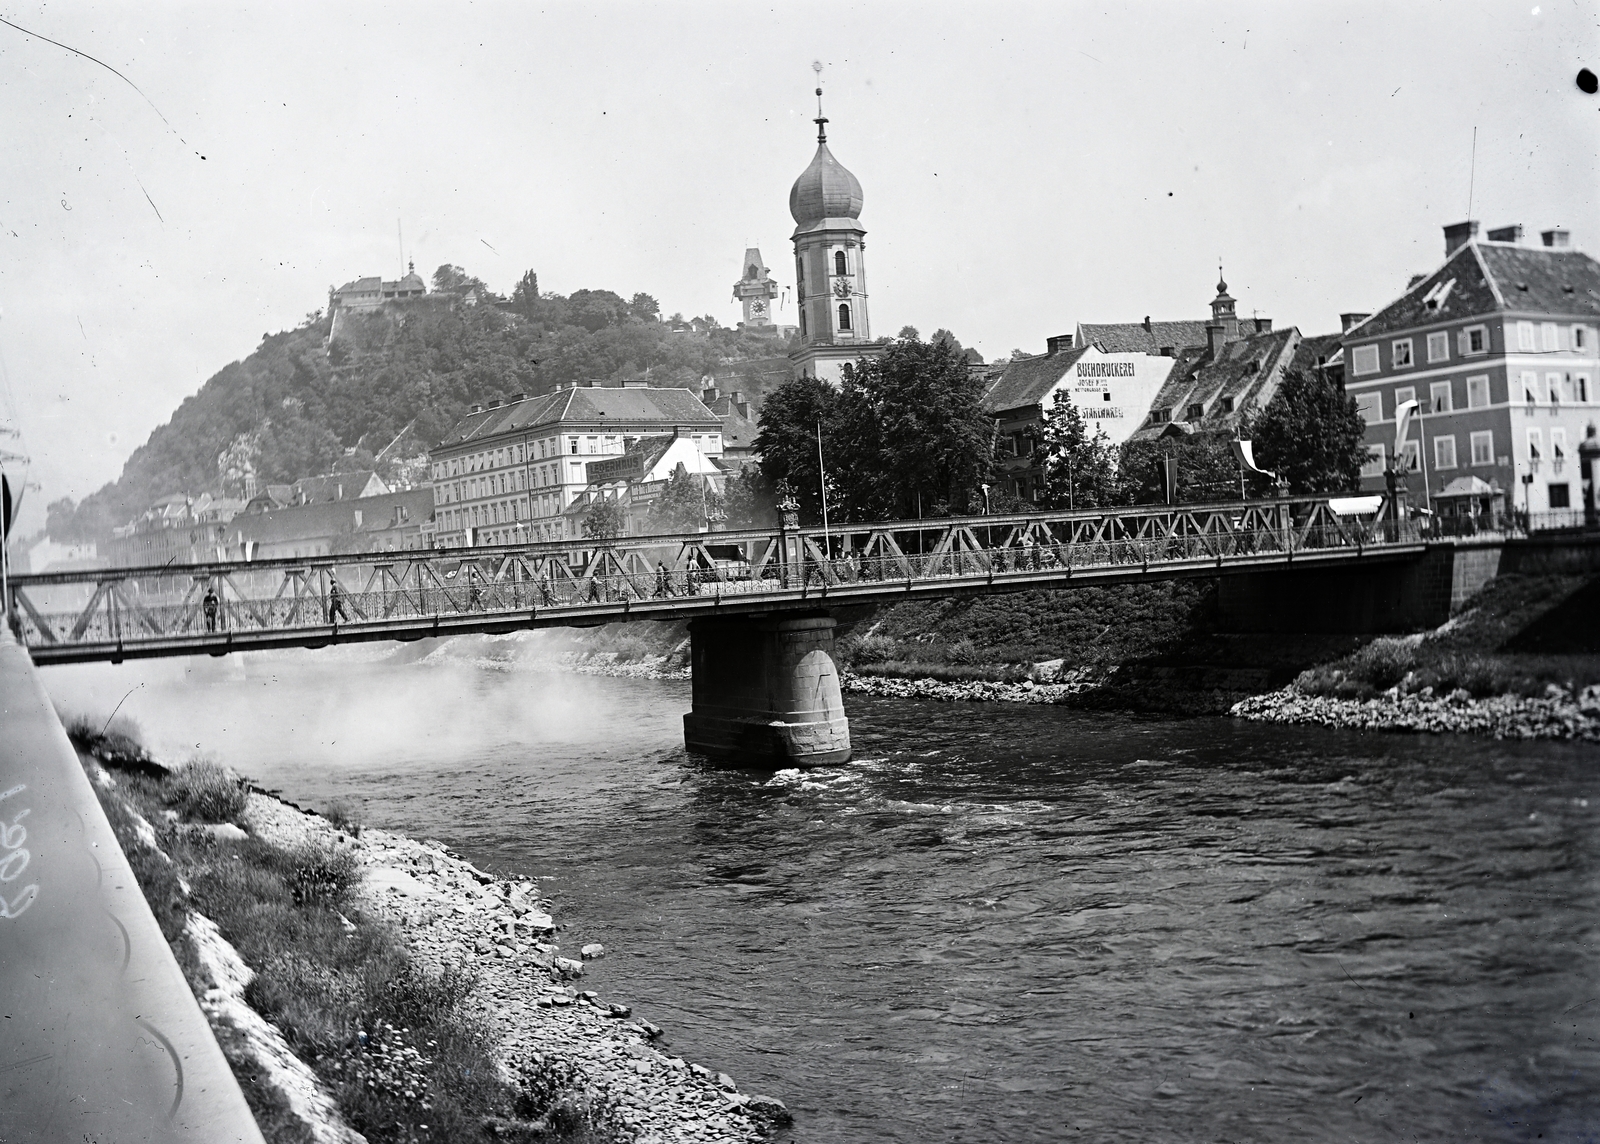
{"type": "Point", "coordinates": [1498, 347]}
{"type": "Point", "coordinates": [508, 471]}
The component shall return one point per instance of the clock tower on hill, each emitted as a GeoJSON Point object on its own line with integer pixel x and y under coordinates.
{"type": "Point", "coordinates": [756, 290]}
{"type": "Point", "coordinates": [830, 265]}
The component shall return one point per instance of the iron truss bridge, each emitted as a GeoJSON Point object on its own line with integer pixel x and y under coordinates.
{"type": "Point", "coordinates": [127, 613]}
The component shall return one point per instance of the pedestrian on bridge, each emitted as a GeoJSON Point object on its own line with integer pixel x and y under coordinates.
{"type": "Point", "coordinates": [663, 581]}
{"type": "Point", "coordinates": [208, 605]}
{"type": "Point", "coordinates": [335, 601]}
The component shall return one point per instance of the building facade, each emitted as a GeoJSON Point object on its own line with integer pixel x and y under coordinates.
{"type": "Point", "coordinates": [830, 265]}
{"type": "Point", "coordinates": [1498, 348]}
{"type": "Point", "coordinates": [508, 472]}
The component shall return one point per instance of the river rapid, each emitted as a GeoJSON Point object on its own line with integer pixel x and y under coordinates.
{"type": "Point", "coordinates": [999, 922]}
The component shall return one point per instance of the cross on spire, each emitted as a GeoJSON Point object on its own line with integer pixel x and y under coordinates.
{"type": "Point", "coordinates": [821, 119]}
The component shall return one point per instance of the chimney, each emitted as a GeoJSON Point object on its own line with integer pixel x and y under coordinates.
{"type": "Point", "coordinates": [744, 409]}
{"type": "Point", "coordinates": [1458, 233]}
{"type": "Point", "coordinates": [1216, 336]}
{"type": "Point", "coordinates": [1349, 321]}
{"type": "Point", "coordinates": [636, 383]}
{"type": "Point", "coordinates": [476, 408]}
{"type": "Point", "coordinates": [1512, 233]}
{"type": "Point", "coordinates": [519, 397]}
{"type": "Point", "coordinates": [494, 403]}
{"type": "Point", "coordinates": [1557, 239]}
{"type": "Point", "coordinates": [1147, 323]}
{"type": "Point", "coordinates": [1055, 345]}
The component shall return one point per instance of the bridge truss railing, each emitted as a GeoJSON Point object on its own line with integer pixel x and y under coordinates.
{"type": "Point", "coordinates": [123, 608]}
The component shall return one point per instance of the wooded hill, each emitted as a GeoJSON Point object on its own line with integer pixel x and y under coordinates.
{"type": "Point", "coordinates": [391, 382]}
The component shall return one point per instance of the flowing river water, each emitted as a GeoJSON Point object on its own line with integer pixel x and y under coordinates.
{"type": "Point", "coordinates": [998, 923]}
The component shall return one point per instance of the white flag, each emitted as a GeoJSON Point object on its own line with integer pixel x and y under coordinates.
{"type": "Point", "coordinates": [1403, 414]}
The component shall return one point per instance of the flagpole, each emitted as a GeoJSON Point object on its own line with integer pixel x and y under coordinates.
{"type": "Point", "coordinates": [822, 483]}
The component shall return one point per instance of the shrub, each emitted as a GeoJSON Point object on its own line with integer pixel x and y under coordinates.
{"type": "Point", "coordinates": [320, 872]}
{"type": "Point", "coordinates": [962, 653]}
{"type": "Point", "coordinates": [1383, 663]}
{"type": "Point", "coordinates": [343, 815]}
{"type": "Point", "coordinates": [205, 792]}
{"type": "Point", "coordinates": [871, 649]}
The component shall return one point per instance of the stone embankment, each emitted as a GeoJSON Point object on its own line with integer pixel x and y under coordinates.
{"type": "Point", "coordinates": [977, 691]}
{"type": "Point", "coordinates": [1558, 715]}
{"type": "Point", "coordinates": [529, 993]}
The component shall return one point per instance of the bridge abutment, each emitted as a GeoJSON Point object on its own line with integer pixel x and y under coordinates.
{"type": "Point", "coordinates": [766, 691]}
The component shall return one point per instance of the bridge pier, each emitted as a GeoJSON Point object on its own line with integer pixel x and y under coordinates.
{"type": "Point", "coordinates": [766, 691]}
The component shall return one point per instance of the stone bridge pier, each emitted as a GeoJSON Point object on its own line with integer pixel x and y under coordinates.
{"type": "Point", "coordinates": [766, 692]}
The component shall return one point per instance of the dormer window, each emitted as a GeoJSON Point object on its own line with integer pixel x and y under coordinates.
{"type": "Point", "coordinates": [1196, 411]}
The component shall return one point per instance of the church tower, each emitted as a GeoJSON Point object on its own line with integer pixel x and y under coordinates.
{"type": "Point", "coordinates": [830, 265]}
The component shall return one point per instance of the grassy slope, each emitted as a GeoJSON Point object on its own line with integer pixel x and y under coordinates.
{"type": "Point", "coordinates": [388, 1042]}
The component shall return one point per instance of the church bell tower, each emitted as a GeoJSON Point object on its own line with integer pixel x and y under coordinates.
{"type": "Point", "coordinates": [830, 265]}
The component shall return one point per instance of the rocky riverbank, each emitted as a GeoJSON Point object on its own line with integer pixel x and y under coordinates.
{"type": "Point", "coordinates": [1558, 715]}
{"type": "Point", "coordinates": [530, 993]}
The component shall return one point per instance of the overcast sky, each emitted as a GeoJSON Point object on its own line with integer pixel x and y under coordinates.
{"type": "Point", "coordinates": [1026, 167]}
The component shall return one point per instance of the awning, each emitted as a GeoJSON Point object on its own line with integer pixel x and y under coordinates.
{"type": "Point", "coordinates": [1355, 506]}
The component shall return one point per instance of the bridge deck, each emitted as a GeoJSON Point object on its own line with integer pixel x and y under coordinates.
{"type": "Point", "coordinates": [115, 614]}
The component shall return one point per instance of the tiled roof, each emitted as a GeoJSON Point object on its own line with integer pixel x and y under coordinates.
{"type": "Point", "coordinates": [611, 406]}
{"type": "Point", "coordinates": [1133, 338]}
{"type": "Point", "coordinates": [1323, 346]}
{"type": "Point", "coordinates": [1487, 278]}
{"type": "Point", "coordinates": [335, 486]}
{"type": "Point", "coordinates": [1247, 370]}
{"type": "Point", "coordinates": [1027, 381]}
{"type": "Point", "coordinates": [335, 518]}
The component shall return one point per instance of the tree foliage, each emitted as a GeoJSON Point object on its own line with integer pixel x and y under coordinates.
{"type": "Point", "coordinates": [686, 504]}
{"type": "Point", "coordinates": [605, 520]}
{"type": "Point", "coordinates": [1080, 471]}
{"type": "Point", "coordinates": [1311, 435]}
{"type": "Point", "coordinates": [902, 436]}
{"type": "Point", "coordinates": [1207, 469]}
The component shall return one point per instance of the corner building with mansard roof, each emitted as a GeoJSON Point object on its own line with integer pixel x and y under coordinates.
{"type": "Point", "coordinates": [1498, 346]}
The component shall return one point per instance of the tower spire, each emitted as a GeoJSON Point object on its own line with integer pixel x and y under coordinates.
{"type": "Point", "coordinates": [821, 120]}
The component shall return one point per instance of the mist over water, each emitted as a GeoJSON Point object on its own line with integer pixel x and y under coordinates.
{"type": "Point", "coordinates": [998, 923]}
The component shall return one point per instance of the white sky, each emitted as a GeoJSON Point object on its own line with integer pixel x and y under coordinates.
{"type": "Point", "coordinates": [1025, 167]}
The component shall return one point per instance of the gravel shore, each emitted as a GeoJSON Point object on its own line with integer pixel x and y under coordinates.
{"type": "Point", "coordinates": [530, 992]}
{"type": "Point", "coordinates": [1557, 716]}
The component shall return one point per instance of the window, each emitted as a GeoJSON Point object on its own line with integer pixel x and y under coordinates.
{"type": "Point", "coordinates": [838, 262]}
{"type": "Point", "coordinates": [1560, 496]}
{"type": "Point", "coordinates": [1580, 387]}
{"type": "Point", "coordinates": [1475, 340]}
{"type": "Point", "coordinates": [1160, 416]}
{"type": "Point", "coordinates": [1400, 354]}
{"type": "Point", "coordinates": [844, 317]}
{"type": "Point", "coordinates": [802, 322]}
{"type": "Point", "coordinates": [1525, 336]}
{"type": "Point", "coordinates": [1402, 395]}
{"type": "Point", "coordinates": [1548, 338]}
{"type": "Point", "coordinates": [1439, 346]}
{"type": "Point", "coordinates": [1478, 392]}
{"type": "Point", "coordinates": [1196, 411]}
{"type": "Point", "coordinates": [1535, 445]}
{"type": "Point", "coordinates": [1558, 446]}
{"type": "Point", "coordinates": [1411, 457]}
{"type": "Point", "coordinates": [1364, 360]}
{"type": "Point", "coordinates": [1439, 397]}
{"type": "Point", "coordinates": [1483, 447]}
{"type": "Point", "coordinates": [800, 274]}
{"type": "Point", "coordinates": [1444, 452]}
{"type": "Point", "coordinates": [1530, 386]}
{"type": "Point", "coordinates": [1552, 382]}
{"type": "Point", "coordinates": [1227, 403]}
{"type": "Point", "coordinates": [1376, 462]}
{"type": "Point", "coordinates": [1580, 338]}
{"type": "Point", "coordinates": [1369, 407]}
{"type": "Point", "coordinates": [572, 445]}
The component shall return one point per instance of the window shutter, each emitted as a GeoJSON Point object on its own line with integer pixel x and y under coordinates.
{"type": "Point", "coordinates": [1461, 343]}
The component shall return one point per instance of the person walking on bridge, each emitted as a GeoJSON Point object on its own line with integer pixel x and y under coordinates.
{"type": "Point", "coordinates": [335, 601]}
{"type": "Point", "coordinates": [663, 581]}
{"type": "Point", "coordinates": [208, 605]}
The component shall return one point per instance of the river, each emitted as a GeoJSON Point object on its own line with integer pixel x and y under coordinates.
{"type": "Point", "coordinates": [998, 923]}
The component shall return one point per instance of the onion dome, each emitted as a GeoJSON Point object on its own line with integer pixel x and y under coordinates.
{"type": "Point", "coordinates": [824, 189]}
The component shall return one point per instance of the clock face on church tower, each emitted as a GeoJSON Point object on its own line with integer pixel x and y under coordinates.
{"type": "Point", "coordinates": [758, 307]}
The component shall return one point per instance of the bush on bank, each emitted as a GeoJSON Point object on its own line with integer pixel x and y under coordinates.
{"type": "Point", "coordinates": [393, 1045]}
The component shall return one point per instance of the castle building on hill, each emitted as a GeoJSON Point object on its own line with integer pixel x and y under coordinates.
{"type": "Point", "coordinates": [830, 265]}
{"type": "Point", "coordinates": [370, 293]}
